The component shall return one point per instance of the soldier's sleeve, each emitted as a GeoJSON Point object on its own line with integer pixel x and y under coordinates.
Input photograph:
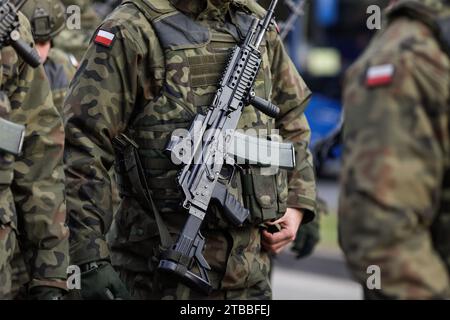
{"type": "Point", "coordinates": [98, 105]}
{"type": "Point", "coordinates": [291, 95]}
{"type": "Point", "coordinates": [395, 134]}
{"type": "Point", "coordinates": [7, 210]}
{"type": "Point", "coordinates": [38, 184]}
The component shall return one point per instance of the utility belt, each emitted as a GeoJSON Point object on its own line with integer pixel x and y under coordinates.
{"type": "Point", "coordinates": [264, 192]}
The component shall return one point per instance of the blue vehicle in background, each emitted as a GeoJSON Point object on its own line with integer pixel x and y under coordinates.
{"type": "Point", "coordinates": [323, 43]}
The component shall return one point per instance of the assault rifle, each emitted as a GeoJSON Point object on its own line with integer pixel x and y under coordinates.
{"type": "Point", "coordinates": [9, 33]}
{"type": "Point", "coordinates": [209, 144]}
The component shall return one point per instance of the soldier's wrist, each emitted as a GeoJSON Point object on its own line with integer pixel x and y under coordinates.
{"type": "Point", "coordinates": [53, 283]}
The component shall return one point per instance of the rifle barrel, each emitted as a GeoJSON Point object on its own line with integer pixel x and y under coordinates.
{"type": "Point", "coordinates": [266, 22]}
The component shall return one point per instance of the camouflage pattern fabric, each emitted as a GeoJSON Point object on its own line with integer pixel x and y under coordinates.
{"type": "Point", "coordinates": [8, 243]}
{"type": "Point", "coordinates": [7, 210]}
{"type": "Point", "coordinates": [60, 70]}
{"type": "Point", "coordinates": [38, 177]}
{"type": "Point", "coordinates": [394, 210]}
{"type": "Point", "coordinates": [76, 41]}
{"type": "Point", "coordinates": [130, 87]}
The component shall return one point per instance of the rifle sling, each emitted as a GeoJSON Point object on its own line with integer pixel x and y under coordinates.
{"type": "Point", "coordinates": [140, 187]}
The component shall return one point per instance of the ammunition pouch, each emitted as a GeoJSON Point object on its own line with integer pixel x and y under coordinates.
{"type": "Point", "coordinates": [264, 195]}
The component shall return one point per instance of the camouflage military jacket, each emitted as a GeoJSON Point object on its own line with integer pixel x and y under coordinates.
{"type": "Point", "coordinates": [59, 70]}
{"type": "Point", "coordinates": [37, 177]}
{"type": "Point", "coordinates": [117, 89]}
{"type": "Point", "coordinates": [7, 209]}
{"type": "Point", "coordinates": [393, 208]}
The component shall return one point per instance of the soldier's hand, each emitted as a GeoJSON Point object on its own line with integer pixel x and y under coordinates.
{"type": "Point", "coordinates": [307, 238]}
{"type": "Point", "coordinates": [101, 282]}
{"type": "Point", "coordinates": [275, 242]}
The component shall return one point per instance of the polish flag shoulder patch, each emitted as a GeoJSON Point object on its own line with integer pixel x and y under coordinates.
{"type": "Point", "coordinates": [380, 75]}
{"type": "Point", "coordinates": [104, 38]}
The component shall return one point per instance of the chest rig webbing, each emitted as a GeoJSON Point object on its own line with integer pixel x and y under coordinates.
{"type": "Point", "coordinates": [195, 57]}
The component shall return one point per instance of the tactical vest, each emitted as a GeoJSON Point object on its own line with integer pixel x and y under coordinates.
{"type": "Point", "coordinates": [195, 57]}
{"type": "Point", "coordinates": [440, 26]}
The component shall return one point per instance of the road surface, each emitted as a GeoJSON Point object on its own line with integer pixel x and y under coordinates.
{"type": "Point", "coordinates": [323, 276]}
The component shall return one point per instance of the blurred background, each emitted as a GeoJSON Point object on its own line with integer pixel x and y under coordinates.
{"type": "Point", "coordinates": [323, 38]}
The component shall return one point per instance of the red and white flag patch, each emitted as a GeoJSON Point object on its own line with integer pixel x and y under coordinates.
{"type": "Point", "coordinates": [380, 75]}
{"type": "Point", "coordinates": [104, 38]}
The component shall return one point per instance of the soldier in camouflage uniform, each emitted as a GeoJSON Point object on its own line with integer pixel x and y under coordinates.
{"type": "Point", "coordinates": [394, 208]}
{"type": "Point", "coordinates": [144, 77]}
{"type": "Point", "coordinates": [33, 214]}
{"type": "Point", "coordinates": [75, 41]}
{"type": "Point", "coordinates": [47, 18]}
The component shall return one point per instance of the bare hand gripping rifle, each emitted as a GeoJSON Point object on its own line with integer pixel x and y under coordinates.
{"type": "Point", "coordinates": [198, 180]}
{"type": "Point", "coordinates": [13, 134]}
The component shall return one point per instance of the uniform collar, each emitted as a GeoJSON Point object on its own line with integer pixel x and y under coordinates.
{"type": "Point", "coordinates": [203, 9]}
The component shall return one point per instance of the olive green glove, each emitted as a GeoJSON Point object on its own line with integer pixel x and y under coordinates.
{"type": "Point", "coordinates": [307, 238]}
{"type": "Point", "coordinates": [308, 235]}
{"type": "Point", "coordinates": [101, 282]}
{"type": "Point", "coordinates": [45, 293]}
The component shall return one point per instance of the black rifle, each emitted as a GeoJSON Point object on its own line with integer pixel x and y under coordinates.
{"type": "Point", "coordinates": [10, 36]}
{"type": "Point", "coordinates": [199, 175]}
